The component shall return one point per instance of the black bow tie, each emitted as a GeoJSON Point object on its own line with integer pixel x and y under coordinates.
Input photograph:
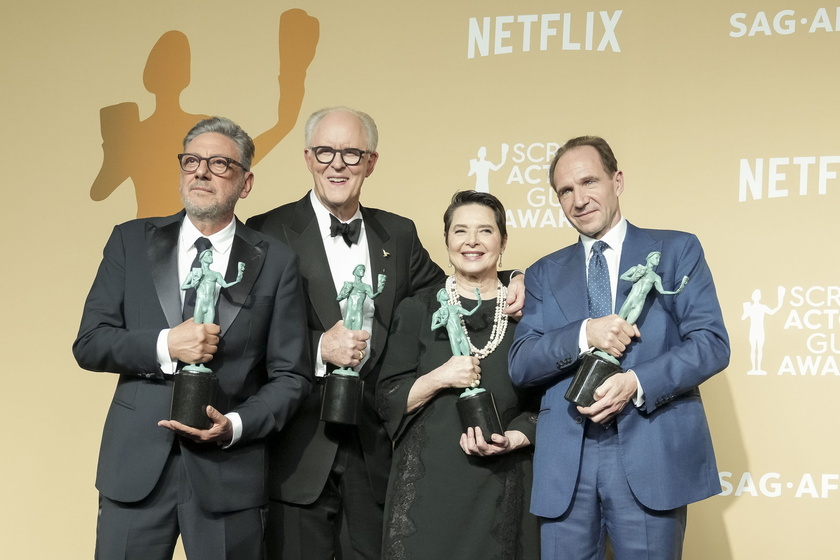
{"type": "Point", "coordinates": [350, 231]}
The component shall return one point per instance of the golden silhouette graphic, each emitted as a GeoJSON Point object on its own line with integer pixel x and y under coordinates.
{"type": "Point", "coordinates": [141, 150]}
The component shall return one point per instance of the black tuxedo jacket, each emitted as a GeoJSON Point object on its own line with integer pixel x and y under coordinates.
{"type": "Point", "coordinates": [262, 364]}
{"type": "Point", "coordinates": [302, 455]}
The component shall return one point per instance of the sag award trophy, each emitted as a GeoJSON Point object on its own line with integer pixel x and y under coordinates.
{"type": "Point", "coordinates": [341, 401]}
{"type": "Point", "coordinates": [196, 383]}
{"type": "Point", "coordinates": [597, 365]}
{"type": "Point", "coordinates": [476, 406]}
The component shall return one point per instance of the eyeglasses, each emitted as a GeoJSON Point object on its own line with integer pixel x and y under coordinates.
{"type": "Point", "coordinates": [218, 165]}
{"type": "Point", "coordinates": [326, 155]}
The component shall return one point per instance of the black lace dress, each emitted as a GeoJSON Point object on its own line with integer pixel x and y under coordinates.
{"type": "Point", "coordinates": [442, 503]}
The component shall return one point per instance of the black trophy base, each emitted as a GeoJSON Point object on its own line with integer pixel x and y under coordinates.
{"type": "Point", "coordinates": [593, 371]}
{"type": "Point", "coordinates": [341, 399]}
{"type": "Point", "coordinates": [479, 410]}
{"type": "Point", "coordinates": [192, 392]}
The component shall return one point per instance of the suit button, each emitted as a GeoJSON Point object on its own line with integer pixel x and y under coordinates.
{"type": "Point", "coordinates": [578, 419]}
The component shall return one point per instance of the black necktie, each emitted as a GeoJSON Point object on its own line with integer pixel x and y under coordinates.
{"type": "Point", "coordinates": [598, 282]}
{"type": "Point", "coordinates": [201, 245]}
{"type": "Point", "coordinates": [350, 231]}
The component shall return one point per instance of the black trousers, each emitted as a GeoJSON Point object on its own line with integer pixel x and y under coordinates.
{"type": "Point", "coordinates": [344, 523]}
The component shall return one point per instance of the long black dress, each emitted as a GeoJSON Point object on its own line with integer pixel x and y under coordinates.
{"type": "Point", "coordinates": [442, 503]}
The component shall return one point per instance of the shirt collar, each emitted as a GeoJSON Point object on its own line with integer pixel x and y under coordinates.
{"type": "Point", "coordinates": [323, 215]}
{"type": "Point", "coordinates": [222, 240]}
{"type": "Point", "coordinates": [614, 237]}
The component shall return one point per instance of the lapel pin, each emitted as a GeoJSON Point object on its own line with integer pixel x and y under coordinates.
{"type": "Point", "coordinates": [385, 254]}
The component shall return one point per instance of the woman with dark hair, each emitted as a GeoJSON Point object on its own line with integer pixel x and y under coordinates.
{"type": "Point", "coordinates": [452, 494]}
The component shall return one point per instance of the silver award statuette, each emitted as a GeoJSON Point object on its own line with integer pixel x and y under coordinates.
{"type": "Point", "coordinates": [597, 366]}
{"type": "Point", "coordinates": [476, 406]}
{"type": "Point", "coordinates": [195, 384]}
{"type": "Point", "coordinates": [343, 389]}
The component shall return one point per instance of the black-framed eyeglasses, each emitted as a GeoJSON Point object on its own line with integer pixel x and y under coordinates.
{"type": "Point", "coordinates": [218, 165]}
{"type": "Point", "coordinates": [326, 155]}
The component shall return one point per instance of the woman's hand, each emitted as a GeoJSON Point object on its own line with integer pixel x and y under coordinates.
{"type": "Point", "coordinates": [472, 442]}
{"type": "Point", "coordinates": [458, 371]}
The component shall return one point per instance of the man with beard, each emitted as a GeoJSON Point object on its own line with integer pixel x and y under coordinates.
{"type": "Point", "coordinates": [157, 477]}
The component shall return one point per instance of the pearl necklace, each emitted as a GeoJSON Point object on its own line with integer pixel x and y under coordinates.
{"type": "Point", "coordinates": [500, 322]}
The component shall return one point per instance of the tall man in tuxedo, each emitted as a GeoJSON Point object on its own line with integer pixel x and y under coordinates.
{"type": "Point", "coordinates": [327, 481]}
{"type": "Point", "coordinates": [156, 477]}
{"type": "Point", "coordinates": [627, 466]}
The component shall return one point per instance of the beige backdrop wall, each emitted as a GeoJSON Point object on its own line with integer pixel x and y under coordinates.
{"type": "Point", "coordinates": [723, 119]}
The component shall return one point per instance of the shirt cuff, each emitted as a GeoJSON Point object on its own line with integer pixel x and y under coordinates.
{"type": "Point", "coordinates": [167, 366]}
{"type": "Point", "coordinates": [639, 399]}
{"type": "Point", "coordinates": [320, 366]}
{"type": "Point", "coordinates": [236, 424]}
{"type": "Point", "coordinates": [583, 343]}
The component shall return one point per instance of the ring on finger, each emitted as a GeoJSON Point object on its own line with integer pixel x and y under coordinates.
{"type": "Point", "coordinates": [361, 355]}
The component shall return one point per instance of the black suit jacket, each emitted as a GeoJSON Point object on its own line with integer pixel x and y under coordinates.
{"type": "Point", "coordinates": [302, 455]}
{"type": "Point", "coordinates": [262, 364]}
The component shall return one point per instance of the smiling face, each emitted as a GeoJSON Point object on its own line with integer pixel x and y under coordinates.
{"type": "Point", "coordinates": [587, 192]}
{"type": "Point", "coordinates": [338, 186]}
{"type": "Point", "coordinates": [210, 199]}
{"type": "Point", "coordinates": [474, 242]}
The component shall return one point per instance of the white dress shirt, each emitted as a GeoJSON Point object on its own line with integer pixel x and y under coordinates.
{"type": "Point", "coordinates": [615, 239]}
{"type": "Point", "coordinates": [343, 260]}
{"type": "Point", "coordinates": [222, 241]}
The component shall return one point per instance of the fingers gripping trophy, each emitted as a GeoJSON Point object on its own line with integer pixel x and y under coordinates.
{"type": "Point", "coordinates": [344, 389]}
{"type": "Point", "coordinates": [476, 406]}
{"type": "Point", "coordinates": [596, 365]}
{"type": "Point", "coordinates": [195, 384]}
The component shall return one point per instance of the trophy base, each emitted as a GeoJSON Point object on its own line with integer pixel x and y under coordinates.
{"type": "Point", "coordinates": [479, 409]}
{"type": "Point", "coordinates": [191, 393]}
{"type": "Point", "coordinates": [341, 398]}
{"type": "Point", "coordinates": [593, 371]}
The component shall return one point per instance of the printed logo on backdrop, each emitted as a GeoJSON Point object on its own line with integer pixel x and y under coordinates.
{"type": "Point", "coordinates": [755, 311]}
{"type": "Point", "coordinates": [569, 31]}
{"type": "Point", "coordinates": [144, 151]}
{"type": "Point", "coordinates": [774, 485]}
{"type": "Point", "coordinates": [518, 175]}
{"type": "Point", "coordinates": [784, 22]}
{"type": "Point", "coordinates": [786, 177]}
{"type": "Point", "coordinates": [806, 331]}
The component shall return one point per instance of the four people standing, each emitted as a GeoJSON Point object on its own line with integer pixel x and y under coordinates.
{"type": "Point", "coordinates": [327, 482]}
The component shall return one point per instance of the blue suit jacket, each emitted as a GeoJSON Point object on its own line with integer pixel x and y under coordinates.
{"type": "Point", "coordinates": [666, 447]}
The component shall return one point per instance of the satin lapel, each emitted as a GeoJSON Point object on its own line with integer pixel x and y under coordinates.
{"type": "Point", "coordinates": [568, 283]}
{"type": "Point", "coordinates": [162, 252]}
{"type": "Point", "coordinates": [382, 251]}
{"type": "Point", "coordinates": [307, 241]}
{"type": "Point", "coordinates": [252, 253]}
{"type": "Point", "coordinates": [637, 246]}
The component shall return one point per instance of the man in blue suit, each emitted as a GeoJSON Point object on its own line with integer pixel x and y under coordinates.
{"type": "Point", "coordinates": [627, 466]}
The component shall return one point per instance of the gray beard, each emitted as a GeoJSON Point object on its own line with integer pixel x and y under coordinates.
{"type": "Point", "coordinates": [211, 213]}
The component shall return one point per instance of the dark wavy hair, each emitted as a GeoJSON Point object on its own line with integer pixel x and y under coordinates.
{"type": "Point", "coordinates": [462, 198]}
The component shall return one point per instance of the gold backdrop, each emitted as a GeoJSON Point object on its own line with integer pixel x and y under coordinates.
{"type": "Point", "coordinates": [723, 119]}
